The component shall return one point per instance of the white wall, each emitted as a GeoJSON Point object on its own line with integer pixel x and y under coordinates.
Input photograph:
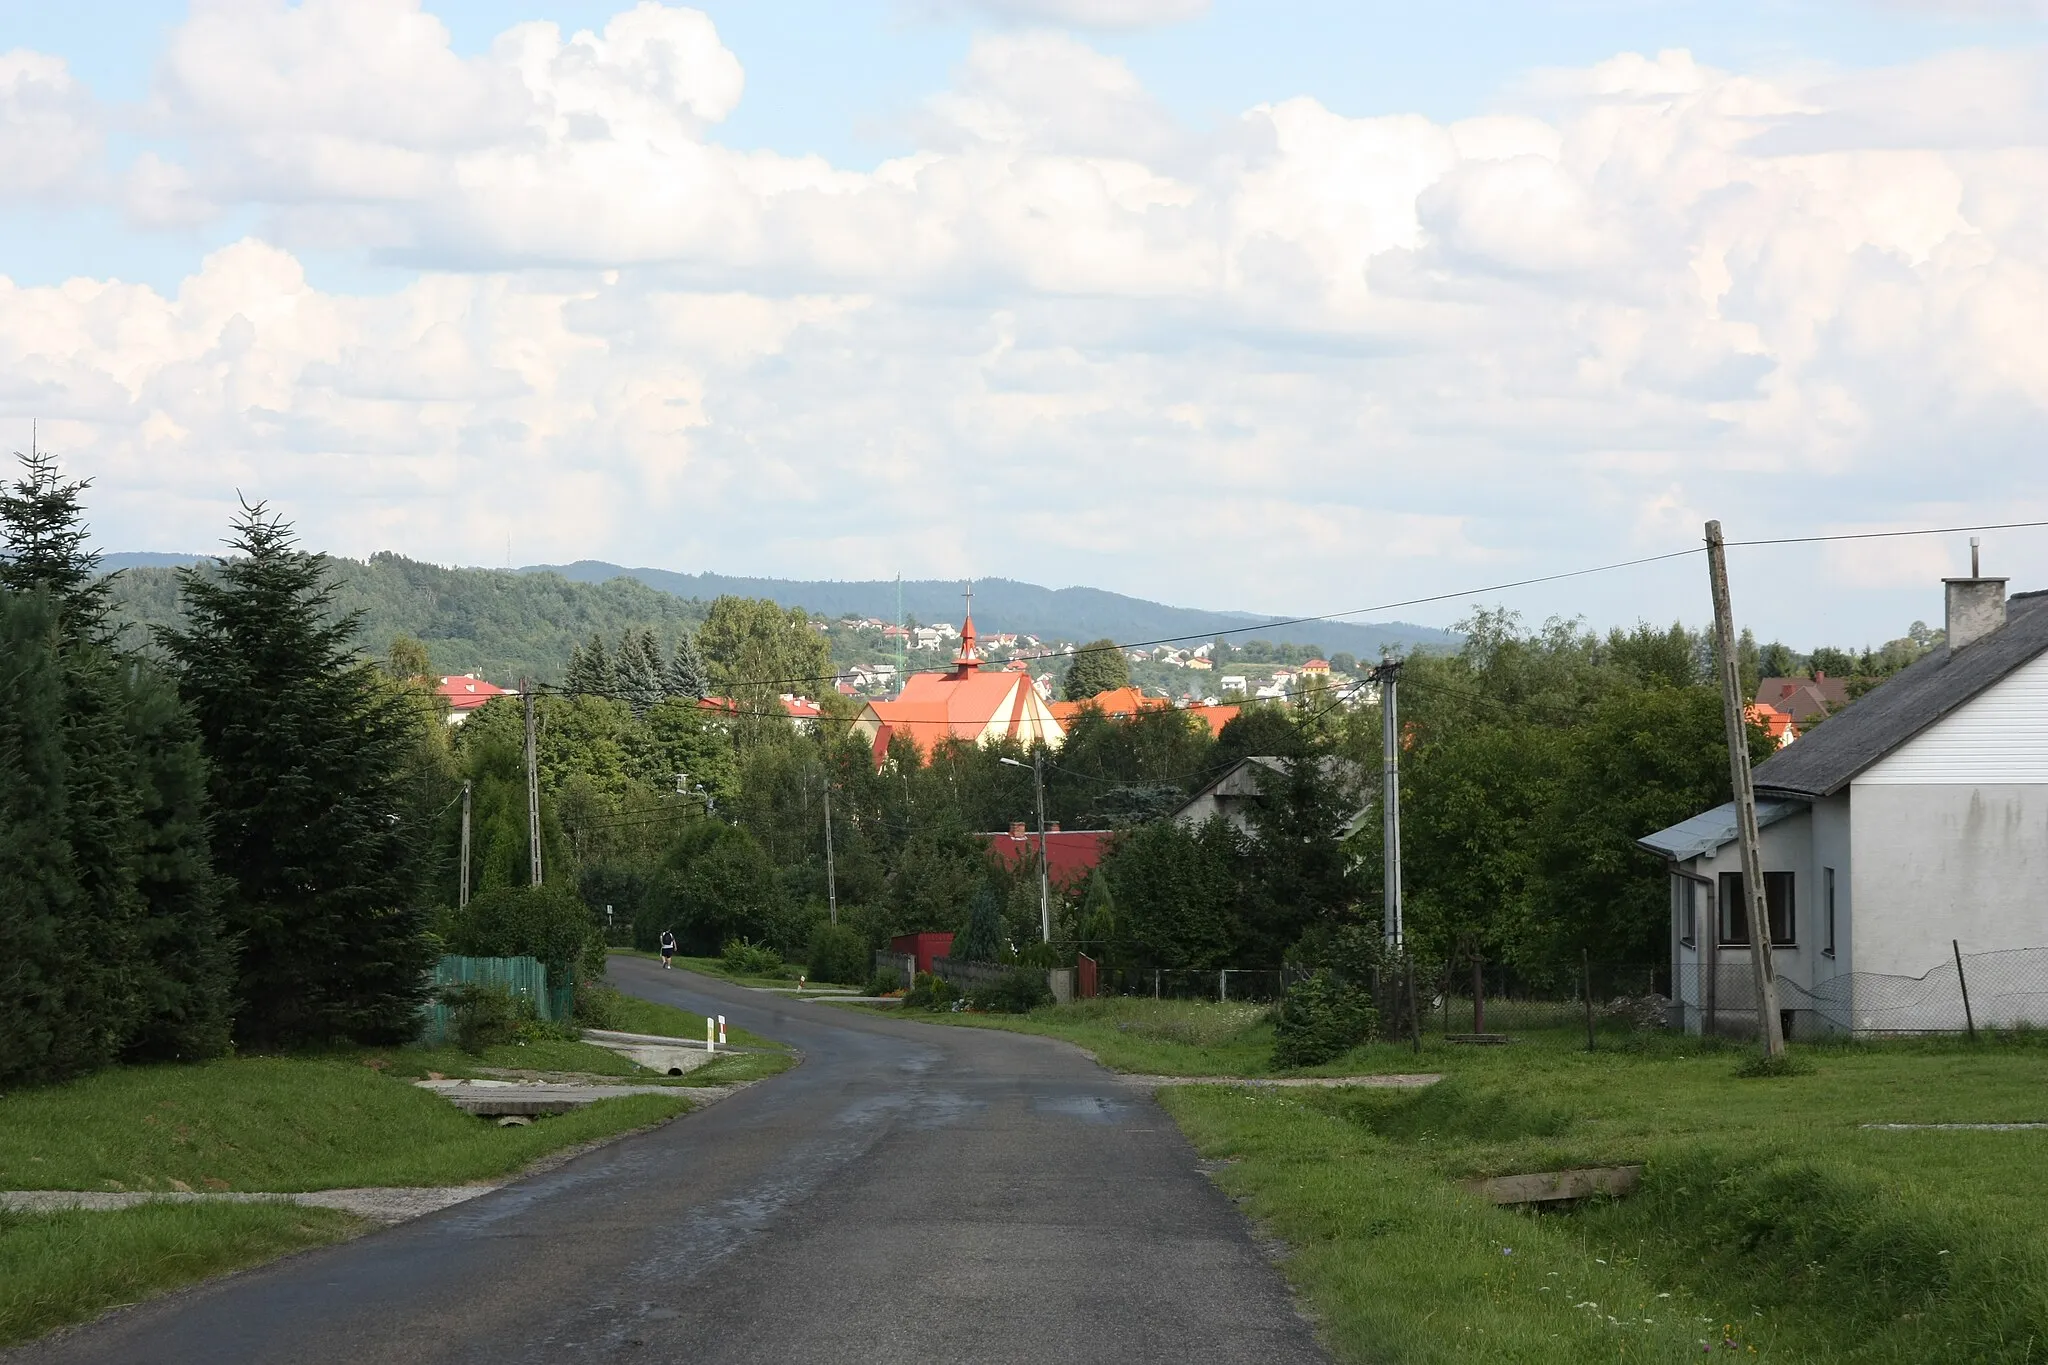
{"type": "Point", "coordinates": [1998, 736]}
{"type": "Point", "coordinates": [1944, 861]}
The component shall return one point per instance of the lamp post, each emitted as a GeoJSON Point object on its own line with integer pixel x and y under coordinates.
{"type": "Point", "coordinates": [1037, 766]}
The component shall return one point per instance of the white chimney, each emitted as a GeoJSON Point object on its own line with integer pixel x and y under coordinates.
{"type": "Point", "coordinates": [1976, 605]}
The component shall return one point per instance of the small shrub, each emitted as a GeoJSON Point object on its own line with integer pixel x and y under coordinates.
{"type": "Point", "coordinates": [1761, 1066]}
{"type": "Point", "coordinates": [885, 981]}
{"type": "Point", "coordinates": [1015, 992]}
{"type": "Point", "coordinates": [486, 1015]}
{"type": "Point", "coordinates": [930, 992]}
{"type": "Point", "coordinates": [838, 955]}
{"type": "Point", "coordinates": [1321, 1019]}
{"type": "Point", "coordinates": [742, 957]}
{"type": "Point", "coordinates": [597, 1004]}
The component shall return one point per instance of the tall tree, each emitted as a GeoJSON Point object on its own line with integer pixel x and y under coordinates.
{"type": "Point", "coordinates": [756, 650]}
{"type": "Point", "coordinates": [1099, 666]}
{"type": "Point", "coordinates": [43, 521]}
{"type": "Point", "coordinates": [685, 675]}
{"type": "Point", "coordinates": [308, 748]}
{"type": "Point", "coordinates": [591, 673]}
{"type": "Point", "coordinates": [640, 670]}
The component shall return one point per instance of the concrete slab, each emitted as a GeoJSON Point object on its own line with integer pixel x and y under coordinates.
{"type": "Point", "coordinates": [492, 1099]}
{"type": "Point", "coordinates": [1551, 1187]}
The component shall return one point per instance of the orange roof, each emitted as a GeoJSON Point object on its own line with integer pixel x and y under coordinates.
{"type": "Point", "coordinates": [1316, 666]}
{"type": "Point", "coordinates": [1777, 724]}
{"type": "Point", "coordinates": [1116, 703]}
{"type": "Point", "coordinates": [962, 704]}
{"type": "Point", "coordinates": [466, 692]}
{"type": "Point", "coordinates": [1216, 716]}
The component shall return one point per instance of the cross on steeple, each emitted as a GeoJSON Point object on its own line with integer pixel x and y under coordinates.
{"type": "Point", "coordinates": [969, 659]}
{"type": "Point", "coordinates": [970, 599]}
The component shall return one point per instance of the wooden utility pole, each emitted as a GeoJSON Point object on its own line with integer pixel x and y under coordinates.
{"type": "Point", "coordinates": [831, 878]}
{"type": "Point", "coordinates": [1770, 1031]}
{"type": "Point", "coordinates": [1044, 878]}
{"type": "Point", "coordinates": [532, 782]}
{"type": "Point", "coordinates": [462, 892]}
{"type": "Point", "coordinates": [1388, 675]}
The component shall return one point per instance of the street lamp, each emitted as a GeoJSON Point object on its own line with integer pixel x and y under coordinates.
{"type": "Point", "coordinates": [1037, 766]}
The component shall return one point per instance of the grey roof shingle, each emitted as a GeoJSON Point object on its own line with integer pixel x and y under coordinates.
{"type": "Point", "coordinates": [1825, 758]}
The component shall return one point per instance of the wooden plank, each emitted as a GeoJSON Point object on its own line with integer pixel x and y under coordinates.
{"type": "Point", "coordinates": [1549, 1187]}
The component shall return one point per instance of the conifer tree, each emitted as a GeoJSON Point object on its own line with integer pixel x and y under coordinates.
{"type": "Point", "coordinates": [982, 940]}
{"type": "Point", "coordinates": [308, 748]}
{"type": "Point", "coordinates": [685, 674]}
{"type": "Point", "coordinates": [590, 671]}
{"type": "Point", "coordinates": [45, 533]}
{"type": "Point", "coordinates": [640, 670]}
{"type": "Point", "coordinates": [1099, 666]}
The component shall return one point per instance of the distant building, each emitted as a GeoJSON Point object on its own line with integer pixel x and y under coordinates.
{"type": "Point", "coordinates": [1232, 682]}
{"type": "Point", "coordinates": [972, 702]}
{"type": "Point", "coordinates": [465, 693]}
{"type": "Point", "coordinates": [1070, 855]}
{"type": "Point", "coordinates": [1804, 699]}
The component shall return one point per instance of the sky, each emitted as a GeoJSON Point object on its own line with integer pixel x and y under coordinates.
{"type": "Point", "coordinates": [1289, 307]}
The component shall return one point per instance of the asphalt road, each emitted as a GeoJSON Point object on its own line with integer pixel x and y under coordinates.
{"type": "Point", "coordinates": [909, 1191]}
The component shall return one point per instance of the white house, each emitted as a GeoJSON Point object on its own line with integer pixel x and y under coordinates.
{"type": "Point", "coordinates": [1907, 830]}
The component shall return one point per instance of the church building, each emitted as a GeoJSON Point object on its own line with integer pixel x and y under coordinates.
{"type": "Point", "coordinates": [969, 703]}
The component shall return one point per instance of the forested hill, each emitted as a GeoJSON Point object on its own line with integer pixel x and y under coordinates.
{"type": "Point", "coordinates": [505, 625]}
{"type": "Point", "coordinates": [485, 621]}
{"type": "Point", "coordinates": [1003, 604]}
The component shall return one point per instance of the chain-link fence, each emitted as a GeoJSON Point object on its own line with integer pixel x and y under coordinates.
{"type": "Point", "coordinates": [1965, 992]}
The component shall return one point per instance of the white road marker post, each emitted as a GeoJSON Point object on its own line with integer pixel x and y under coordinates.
{"type": "Point", "coordinates": [710, 1034]}
{"type": "Point", "coordinates": [721, 1030]}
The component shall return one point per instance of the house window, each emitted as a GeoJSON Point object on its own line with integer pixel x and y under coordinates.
{"type": "Point", "coordinates": [1828, 926]}
{"type": "Point", "coordinates": [1778, 901]}
{"type": "Point", "coordinates": [1688, 911]}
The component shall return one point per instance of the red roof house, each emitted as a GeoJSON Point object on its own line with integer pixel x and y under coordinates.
{"type": "Point", "coordinates": [1070, 854]}
{"type": "Point", "coordinates": [465, 693]}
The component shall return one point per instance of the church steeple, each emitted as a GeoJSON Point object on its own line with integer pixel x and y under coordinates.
{"type": "Point", "coordinates": [970, 658]}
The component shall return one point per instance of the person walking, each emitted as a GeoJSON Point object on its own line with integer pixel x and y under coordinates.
{"type": "Point", "coordinates": [668, 948]}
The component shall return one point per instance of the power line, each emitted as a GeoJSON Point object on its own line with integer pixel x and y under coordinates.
{"type": "Point", "coordinates": [1887, 535]}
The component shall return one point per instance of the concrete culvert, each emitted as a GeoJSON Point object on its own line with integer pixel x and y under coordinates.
{"type": "Point", "coordinates": [675, 1071]}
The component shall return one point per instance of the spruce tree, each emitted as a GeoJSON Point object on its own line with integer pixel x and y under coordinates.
{"type": "Point", "coordinates": [590, 671]}
{"type": "Point", "coordinates": [44, 526]}
{"type": "Point", "coordinates": [685, 674]}
{"type": "Point", "coordinates": [308, 750]}
{"type": "Point", "coordinates": [982, 940]}
{"type": "Point", "coordinates": [639, 670]}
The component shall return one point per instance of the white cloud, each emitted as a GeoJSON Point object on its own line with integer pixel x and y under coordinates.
{"type": "Point", "coordinates": [1094, 14]}
{"type": "Point", "coordinates": [50, 136]}
{"type": "Point", "coordinates": [1066, 331]}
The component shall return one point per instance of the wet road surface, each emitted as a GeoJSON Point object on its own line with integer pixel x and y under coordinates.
{"type": "Point", "coordinates": [913, 1191]}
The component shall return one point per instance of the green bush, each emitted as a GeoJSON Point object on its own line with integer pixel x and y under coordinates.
{"type": "Point", "coordinates": [1320, 1019]}
{"type": "Point", "coordinates": [930, 992]}
{"type": "Point", "coordinates": [597, 1004]}
{"type": "Point", "coordinates": [838, 955]}
{"type": "Point", "coordinates": [745, 958]}
{"type": "Point", "coordinates": [486, 1014]}
{"type": "Point", "coordinates": [548, 922]}
{"type": "Point", "coordinates": [1016, 992]}
{"type": "Point", "coordinates": [886, 981]}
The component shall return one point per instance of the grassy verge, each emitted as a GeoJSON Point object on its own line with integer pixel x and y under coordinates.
{"type": "Point", "coordinates": [631, 1014]}
{"type": "Point", "coordinates": [1770, 1223]}
{"type": "Point", "coordinates": [279, 1123]}
{"type": "Point", "coordinates": [57, 1268]}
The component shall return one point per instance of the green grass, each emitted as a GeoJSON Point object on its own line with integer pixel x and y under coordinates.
{"type": "Point", "coordinates": [631, 1014]}
{"type": "Point", "coordinates": [1768, 1216]}
{"type": "Point", "coordinates": [58, 1268]}
{"type": "Point", "coordinates": [278, 1123]}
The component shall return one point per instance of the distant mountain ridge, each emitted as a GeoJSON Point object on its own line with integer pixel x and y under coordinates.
{"type": "Point", "coordinates": [471, 624]}
{"type": "Point", "coordinates": [1004, 604]}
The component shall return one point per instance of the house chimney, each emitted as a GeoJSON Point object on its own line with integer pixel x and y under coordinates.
{"type": "Point", "coordinates": [1976, 605]}
{"type": "Point", "coordinates": [1053, 828]}
{"type": "Point", "coordinates": [1017, 830]}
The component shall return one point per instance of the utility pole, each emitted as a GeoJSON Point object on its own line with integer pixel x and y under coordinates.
{"type": "Point", "coordinates": [1754, 903]}
{"type": "Point", "coordinates": [831, 879]}
{"type": "Point", "coordinates": [532, 782]}
{"type": "Point", "coordinates": [462, 893]}
{"type": "Point", "coordinates": [1388, 675]}
{"type": "Point", "coordinates": [1044, 881]}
